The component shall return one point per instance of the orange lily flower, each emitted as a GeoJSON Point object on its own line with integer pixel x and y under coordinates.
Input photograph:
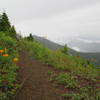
{"type": "Point", "coordinates": [15, 59]}
{"type": "Point", "coordinates": [5, 55]}
{"type": "Point", "coordinates": [1, 51]}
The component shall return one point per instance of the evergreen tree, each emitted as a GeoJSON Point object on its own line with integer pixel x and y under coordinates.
{"type": "Point", "coordinates": [65, 49]}
{"type": "Point", "coordinates": [30, 37]}
{"type": "Point", "coordinates": [12, 32]}
{"type": "Point", "coordinates": [4, 22]}
{"type": "Point", "coordinates": [0, 22]}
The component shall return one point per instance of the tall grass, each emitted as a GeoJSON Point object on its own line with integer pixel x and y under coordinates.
{"type": "Point", "coordinates": [57, 59]}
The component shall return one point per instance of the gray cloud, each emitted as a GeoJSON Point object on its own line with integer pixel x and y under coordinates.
{"type": "Point", "coordinates": [25, 9]}
{"type": "Point", "coordinates": [60, 20]}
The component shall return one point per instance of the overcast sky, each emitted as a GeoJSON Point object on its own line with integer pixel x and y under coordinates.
{"type": "Point", "coordinates": [58, 20]}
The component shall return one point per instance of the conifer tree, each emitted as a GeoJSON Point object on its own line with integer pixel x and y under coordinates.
{"type": "Point", "coordinates": [30, 37]}
{"type": "Point", "coordinates": [12, 32]}
{"type": "Point", "coordinates": [0, 22]}
{"type": "Point", "coordinates": [65, 49]}
{"type": "Point", "coordinates": [4, 23]}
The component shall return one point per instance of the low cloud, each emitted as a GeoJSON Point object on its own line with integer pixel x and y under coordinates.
{"type": "Point", "coordinates": [76, 48]}
{"type": "Point", "coordinates": [88, 41]}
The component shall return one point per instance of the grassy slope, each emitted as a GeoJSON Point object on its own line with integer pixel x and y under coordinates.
{"type": "Point", "coordinates": [47, 43]}
{"type": "Point", "coordinates": [93, 57]}
{"type": "Point", "coordinates": [75, 70]}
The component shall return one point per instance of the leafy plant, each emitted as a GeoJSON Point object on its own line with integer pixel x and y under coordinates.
{"type": "Point", "coordinates": [66, 79]}
{"type": "Point", "coordinates": [8, 53]}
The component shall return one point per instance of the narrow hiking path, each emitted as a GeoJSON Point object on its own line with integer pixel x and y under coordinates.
{"type": "Point", "coordinates": [34, 77]}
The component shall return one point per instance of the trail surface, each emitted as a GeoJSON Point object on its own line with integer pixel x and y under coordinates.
{"type": "Point", "coordinates": [33, 75]}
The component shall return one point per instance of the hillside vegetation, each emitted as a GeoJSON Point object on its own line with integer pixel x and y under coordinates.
{"type": "Point", "coordinates": [73, 72]}
{"type": "Point", "coordinates": [8, 57]}
{"type": "Point", "coordinates": [93, 58]}
{"type": "Point", "coordinates": [76, 73]}
{"type": "Point", "coordinates": [60, 60]}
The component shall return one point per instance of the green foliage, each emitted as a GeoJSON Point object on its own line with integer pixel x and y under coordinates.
{"type": "Point", "coordinates": [84, 94]}
{"type": "Point", "coordinates": [4, 61]}
{"type": "Point", "coordinates": [50, 73]}
{"type": "Point", "coordinates": [12, 32]}
{"type": "Point", "coordinates": [65, 49]}
{"type": "Point", "coordinates": [8, 51]}
{"type": "Point", "coordinates": [4, 23]}
{"type": "Point", "coordinates": [75, 67]}
{"type": "Point", "coordinates": [73, 96]}
{"type": "Point", "coordinates": [66, 79]}
{"type": "Point", "coordinates": [7, 66]}
{"type": "Point", "coordinates": [30, 37]}
{"type": "Point", "coordinates": [6, 27]}
{"type": "Point", "coordinates": [57, 59]}
{"type": "Point", "coordinates": [7, 41]}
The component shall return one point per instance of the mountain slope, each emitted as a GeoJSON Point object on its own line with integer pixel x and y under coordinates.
{"type": "Point", "coordinates": [47, 43]}
{"type": "Point", "coordinates": [93, 57]}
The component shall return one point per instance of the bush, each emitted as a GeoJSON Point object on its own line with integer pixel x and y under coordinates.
{"type": "Point", "coordinates": [7, 41]}
{"type": "Point", "coordinates": [66, 79]}
{"type": "Point", "coordinates": [7, 66]}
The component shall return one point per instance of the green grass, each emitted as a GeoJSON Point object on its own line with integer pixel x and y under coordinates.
{"type": "Point", "coordinates": [74, 66]}
{"type": "Point", "coordinates": [74, 96]}
{"type": "Point", "coordinates": [84, 94]}
{"type": "Point", "coordinates": [67, 79]}
{"type": "Point", "coordinates": [59, 60]}
{"type": "Point", "coordinates": [7, 67]}
{"type": "Point", "coordinates": [50, 73]}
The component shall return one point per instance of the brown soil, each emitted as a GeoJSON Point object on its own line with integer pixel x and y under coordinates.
{"type": "Point", "coordinates": [34, 79]}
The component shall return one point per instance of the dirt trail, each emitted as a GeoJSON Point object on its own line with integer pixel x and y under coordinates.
{"type": "Point", "coordinates": [36, 85]}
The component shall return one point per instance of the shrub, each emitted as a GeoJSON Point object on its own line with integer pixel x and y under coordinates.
{"type": "Point", "coordinates": [7, 67]}
{"type": "Point", "coordinates": [66, 79]}
{"type": "Point", "coordinates": [7, 41]}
